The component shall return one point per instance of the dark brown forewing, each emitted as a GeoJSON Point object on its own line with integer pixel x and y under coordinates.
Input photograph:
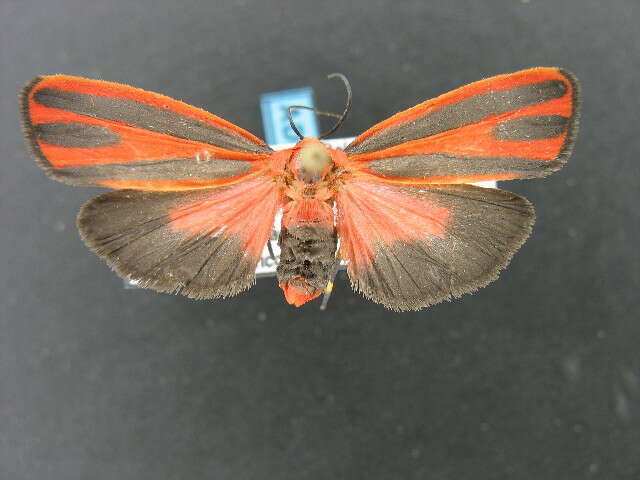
{"type": "Point", "coordinates": [142, 236]}
{"type": "Point", "coordinates": [467, 110]}
{"type": "Point", "coordinates": [483, 230]}
{"type": "Point", "coordinates": [91, 132]}
{"type": "Point", "coordinates": [519, 125]}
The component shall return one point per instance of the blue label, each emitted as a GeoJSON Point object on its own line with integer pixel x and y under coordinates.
{"type": "Point", "coordinates": [274, 115]}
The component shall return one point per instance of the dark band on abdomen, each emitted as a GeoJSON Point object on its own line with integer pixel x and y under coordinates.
{"type": "Point", "coordinates": [307, 252]}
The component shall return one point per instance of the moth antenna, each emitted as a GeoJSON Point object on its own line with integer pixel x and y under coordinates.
{"type": "Point", "coordinates": [292, 123]}
{"type": "Point", "coordinates": [315, 110]}
{"type": "Point", "coordinates": [347, 107]}
{"type": "Point", "coordinates": [341, 118]}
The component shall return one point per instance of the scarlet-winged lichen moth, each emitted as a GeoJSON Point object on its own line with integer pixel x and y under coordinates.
{"type": "Point", "coordinates": [196, 196]}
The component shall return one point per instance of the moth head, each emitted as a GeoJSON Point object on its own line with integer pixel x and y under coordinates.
{"type": "Point", "coordinates": [313, 162]}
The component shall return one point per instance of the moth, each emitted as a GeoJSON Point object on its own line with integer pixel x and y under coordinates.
{"type": "Point", "coordinates": [195, 197]}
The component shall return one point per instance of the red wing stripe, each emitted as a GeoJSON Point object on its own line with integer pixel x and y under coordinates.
{"type": "Point", "coordinates": [478, 140]}
{"type": "Point", "coordinates": [470, 110]}
{"type": "Point", "coordinates": [529, 142]}
{"type": "Point", "coordinates": [91, 132]}
{"type": "Point", "coordinates": [170, 185]}
{"type": "Point", "coordinates": [147, 117]}
{"type": "Point", "coordinates": [525, 129]}
{"type": "Point", "coordinates": [134, 144]}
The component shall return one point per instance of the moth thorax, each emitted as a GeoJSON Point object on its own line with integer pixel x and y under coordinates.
{"type": "Point", "coordinates": [313, 163]}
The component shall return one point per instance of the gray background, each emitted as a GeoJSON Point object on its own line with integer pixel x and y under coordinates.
{"type": "Point", "coordinates": [534, 377]}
